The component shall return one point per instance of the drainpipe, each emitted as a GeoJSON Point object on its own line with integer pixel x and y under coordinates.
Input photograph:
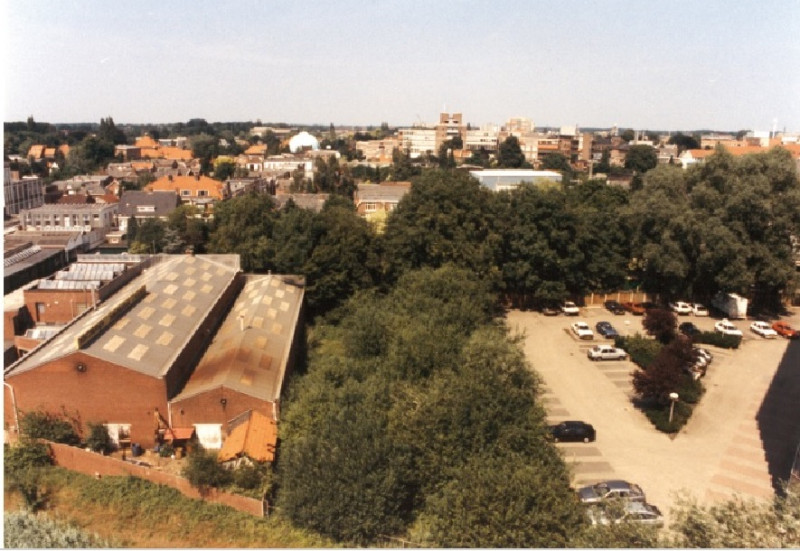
{"type": "Point", "coordinates": [169, 414]}
{"type": "Point", "coordinates": [14, 402]}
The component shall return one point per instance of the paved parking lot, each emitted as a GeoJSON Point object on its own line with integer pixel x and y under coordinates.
{"type": "Point", "coordinates": [735, 442]}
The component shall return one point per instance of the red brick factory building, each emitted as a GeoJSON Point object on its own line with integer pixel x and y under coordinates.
{"type": "Point", "coordinates": [192, 341]}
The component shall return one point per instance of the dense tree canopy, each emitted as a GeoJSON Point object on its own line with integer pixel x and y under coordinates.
{"type": "Point", "coordinates": [417, 427]}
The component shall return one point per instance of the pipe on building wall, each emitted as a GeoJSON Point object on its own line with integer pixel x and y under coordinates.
{"type": "Point", "coordinates": [14, 405]}
{"type": "Point", "coordinates": [169, 414]}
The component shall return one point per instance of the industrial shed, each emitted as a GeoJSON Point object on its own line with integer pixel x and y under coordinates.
{"type": "Point", "coordinates": [150, 345]}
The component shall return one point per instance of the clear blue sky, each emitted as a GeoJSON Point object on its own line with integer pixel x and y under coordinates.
{"type": "Point", "coordinates": [684, 64]}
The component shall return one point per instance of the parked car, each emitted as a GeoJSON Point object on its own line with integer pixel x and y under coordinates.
{"type": "Point", "coordinates": [582, 331]}
{"type": "Point", "coordinates": [725, 327]}
{"type": "Point", "coordinates": [606, 329]}
{"type": "Point", "coordinates": [570, 309]}
{"type": "Point", "coordinates": [689, 329]}
{"type": "Point", "coordinates": [699, 310]}
{"type": "Point", "coordinates": [631, 511]}
{"type": "Point", "coordinates": [573, 431]}
{"type": "Point", "coordinates": [785, 330]}
{"type": "Point", "coordinates": [680, 308]}
{"type": "Point", "coordinates": [614, 307]}
{"type": "Point", "coordinates": [551, 310]}
{"type": "Point", "coordinates": [705, 354]}
{"type": "Point", "coordinates": [763, 329]}
{"type": "Point", "coordinates": [634, 308]}
{"type": "Point", "coordinates": [701, 359]}
{"type": "Point", "coordinates": [606, 352]}
{"type": "Point", "coordinates": [611, 489]}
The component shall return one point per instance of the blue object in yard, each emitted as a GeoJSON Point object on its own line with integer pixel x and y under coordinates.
{"type": "Point", "coordinates": [136, 450]}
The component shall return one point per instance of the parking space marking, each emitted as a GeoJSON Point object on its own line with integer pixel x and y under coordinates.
{"type": "Point", "coordinates": [579, 450]}
{"type": "Point", "coordinates": [750, 472]}
{"type": "Point", "coordinates": [590, 467]}
{"type": "Point", "coordinates": [741, 487]}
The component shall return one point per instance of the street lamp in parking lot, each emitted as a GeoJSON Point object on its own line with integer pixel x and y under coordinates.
{"type": "Point", "coordinates": [673, 397]}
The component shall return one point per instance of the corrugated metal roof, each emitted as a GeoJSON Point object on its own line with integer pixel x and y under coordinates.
{"type": "Point", "coordinates": [128, 342]}
{"type": "Point", "coordinates": [251, 348]}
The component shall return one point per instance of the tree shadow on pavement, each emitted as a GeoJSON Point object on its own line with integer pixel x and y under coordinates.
{"type": "Point", "coordinates": [779, 417]}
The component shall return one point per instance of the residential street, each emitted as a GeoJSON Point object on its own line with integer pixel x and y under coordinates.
{"type": "Point", "coordinates": [733, 444]}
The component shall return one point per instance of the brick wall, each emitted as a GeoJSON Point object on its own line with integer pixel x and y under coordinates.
{"type": "Point", "coordinates": [103, 393]}
{"type": "Point", "coordinates": [597, 299]}
{"type": "Point", "coordinates": [76, 459]}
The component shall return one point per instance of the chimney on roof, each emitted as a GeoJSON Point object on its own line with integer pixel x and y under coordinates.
{"type": "Point", "coordinates": [170, 177]}
{"type": "Point", "coordinates": [197, 177]}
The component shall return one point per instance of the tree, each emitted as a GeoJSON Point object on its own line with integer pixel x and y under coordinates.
{"type": "Point", "coordinates": [224, 170]}
{"type": "Point", "coordinates": [204, 472]}
{"type": "Point", "coordinates": [661, 324]}
{"type": "Point", "coordinates": [99, 440]}
{"type": "Point", "coordinates": [22, 464]}
{"type": "Point", "coordinates": [446, 217]}
{"type": "Point", "coordinates": [50, 426]}
{"type": "Point", "coordinates": [666, 374]}
{"type": "Point", "coordinates": [243, 225]}
{"type": "Point", "coordinates": [641, 158]}
{"type": "Point", "coordinates": [738, 523]}
{"type": "Point", "coordinates": [684, 142]}
{"type": "Point", "coordinates": [503, 502]}
{"type": "Point", "coordinates": [510, 154]}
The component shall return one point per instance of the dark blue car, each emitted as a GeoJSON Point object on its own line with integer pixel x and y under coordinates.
{"type": "Point", "coordinates": [606, 329]}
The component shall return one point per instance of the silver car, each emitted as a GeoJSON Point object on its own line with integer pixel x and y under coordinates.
{"type": "Point", "coordinates": [631, 511]}
{"type": "Point", "coordinates": [611, 489]}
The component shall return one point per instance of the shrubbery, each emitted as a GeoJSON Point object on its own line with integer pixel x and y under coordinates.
{"type": "Point", "coordinates": [28, 531]}
{"type": "Point", "coordinates": [22, 465]}
{"type": "Point", "coordinates": [99, 440]}
{"type": "Point", "coordinates": [204, 472]}
{"type": "Point", "coordinates": [49, 426]}
{"type": "Point", "coordinates": [719, 340]}
{"type": "Point", "coordinates": [643, 351]}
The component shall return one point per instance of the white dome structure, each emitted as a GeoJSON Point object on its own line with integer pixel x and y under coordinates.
{"type": "Point", "coordinates": [302, 141]}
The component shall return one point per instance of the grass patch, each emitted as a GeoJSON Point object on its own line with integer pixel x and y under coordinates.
{"type": "Point", "coordinates": [131, 512]}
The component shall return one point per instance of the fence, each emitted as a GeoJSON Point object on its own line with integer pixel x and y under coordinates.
{"type": "Point", "coordinates": [86, 462]}
{"type": "Point", "coordinates": [597, 299]}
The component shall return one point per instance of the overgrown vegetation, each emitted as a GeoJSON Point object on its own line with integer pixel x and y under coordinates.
{"type": "Point", "coordinates": [204, 472]}
{"type": "Point", "coordinates": [23, 465]}
{"type": "Point", "coordinates": [25, 530]}
{"type": "Point", "coordinates": [720, 340]}
{"type": "Point", "coordinates": [435, 411]}
{"type": "Point", "coordinates": [50, 426]}
{"type": "Point", "coordinates": [131, 512]}
{"type": "Point", "coordinates": [99, 440]}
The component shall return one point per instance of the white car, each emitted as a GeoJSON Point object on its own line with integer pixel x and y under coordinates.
{"type": "Point", "coordinates": [570, 309]}
{"type": "Point", "coordinates": [582, 330]}
{"type": "Point", "coordinates": [606, 352]}
{"type": "Point", "coordinates": [699, 310]}
{"type": "Point", "coordinates": [682, 308]}
{"type": "Point", "coordinates": [727, 328]}
{"type": "Point", "coordinates": [764, 329]}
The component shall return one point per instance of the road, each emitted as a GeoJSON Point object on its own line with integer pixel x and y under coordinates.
{"type": "Point", "coordinates": [735, 443]}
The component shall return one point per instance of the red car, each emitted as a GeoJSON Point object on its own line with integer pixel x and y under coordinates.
{"type": "Point", "coordinates": [635, 308]}
{"type": "Point", "coordinates": [785, 330]}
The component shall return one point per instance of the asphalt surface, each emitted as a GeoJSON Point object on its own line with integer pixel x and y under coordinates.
{"type": "Point", "coordinates": [740, 440]}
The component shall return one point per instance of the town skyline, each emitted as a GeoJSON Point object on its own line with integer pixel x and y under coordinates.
{"type": "Point", "coordinates": [712, 66]}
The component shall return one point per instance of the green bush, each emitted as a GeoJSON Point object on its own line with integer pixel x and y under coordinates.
{"type": "Point", "coordinates": [99, 440]}
{"type": "Point", "coordinates": [166, 450]}
{"type": "Point", "coordinates": [691, 391]}
{"type": "Point", "coordinates": [643, 351]}
{"type": "Point", "coordinates": [659, 416]}
{"type": "Point", "coordinates": [23, 465]}
{"type": "Point", "coordinates": [203, 471]}
{"type": "Point", "coordinates": [49, 426]}
{"type": "Point", "coordinates": [250, 477]}
{"type": "Point", "coordinates": [717, 339]}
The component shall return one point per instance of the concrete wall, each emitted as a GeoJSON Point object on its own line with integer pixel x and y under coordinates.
{"type": "Point", "coordinates": [76, 459]}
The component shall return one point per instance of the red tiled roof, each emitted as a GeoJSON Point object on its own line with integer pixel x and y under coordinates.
{"type": "Point", "coordinates": [256, 438]}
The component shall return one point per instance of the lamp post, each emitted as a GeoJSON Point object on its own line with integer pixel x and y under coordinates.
{"type": "Point", "coordinates": [673, 397]}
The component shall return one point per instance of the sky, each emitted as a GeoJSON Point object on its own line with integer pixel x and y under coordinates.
{"type": "Point", "coordinates": [723, 65]}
